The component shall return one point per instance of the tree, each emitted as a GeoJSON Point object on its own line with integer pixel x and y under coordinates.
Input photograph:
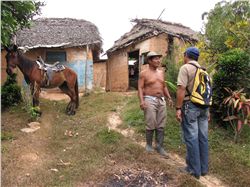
{"type": "Point", "coordinates": [227, 27]}
{"type": "Point", "coordinates": [16, 15]}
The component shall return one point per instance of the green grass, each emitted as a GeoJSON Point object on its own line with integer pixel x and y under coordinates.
{"type": "Point", "coordinates": [108, 137]}
{"type": "Point", "coordinates": [87, 150]}
{"type": "Point", "coordinates": [94, 152]}
{"type": "Point", "coordinates": [229, 161]}
{"type": "Point", "coordinates": [133, 117]}
{"type": "Point", "coordinates": [7, 136]}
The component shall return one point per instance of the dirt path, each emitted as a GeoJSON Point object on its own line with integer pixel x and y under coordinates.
{"type": "Point", "coordinates": [29, 153]}
{"type": "Point", "coordinates": [56, 96]}
{"type": "Point", "coordinates": [175, 160]}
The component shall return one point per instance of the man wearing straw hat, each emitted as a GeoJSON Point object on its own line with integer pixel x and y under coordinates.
{"type": "Point", "coordinates": [152, 92]}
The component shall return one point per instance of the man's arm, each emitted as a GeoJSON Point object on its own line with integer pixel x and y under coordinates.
{"type": "Point", "coordinates": [181, 90]}
{"type": "Point", "coordinates": [140, 90]}
{"type": "Point", "coordinates": [167, 95]}
{"type": "Point", "coordinates": [166, 92]}
{"type": "Point", "coordinates": [182, 82]}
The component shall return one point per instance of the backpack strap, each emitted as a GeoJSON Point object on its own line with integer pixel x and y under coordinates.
{"type": "Point", "coordinates": [197, 68]}
{"type": "Point", "coordinates": [186, 87]}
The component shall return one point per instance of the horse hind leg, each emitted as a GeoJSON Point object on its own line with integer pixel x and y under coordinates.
{"type": "Point", "coordinates": [70, 109]}
{"type": "Point", "coordinates": [65, 89]}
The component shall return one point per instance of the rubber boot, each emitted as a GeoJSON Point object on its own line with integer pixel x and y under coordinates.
{"type": "Point", "coordinates": [159, 142]}
{"type": "Point", "coordinates": [149, 139]}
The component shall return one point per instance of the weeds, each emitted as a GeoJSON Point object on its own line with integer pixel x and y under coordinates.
{"type": "Point", "coordinates": [34, 112]}
{"type": "Point", "coordinates": [227, 159]}
{"type": "Point", "coordinates": [7, 136]}
{"type": "Point", "coordinates": [108, 136]}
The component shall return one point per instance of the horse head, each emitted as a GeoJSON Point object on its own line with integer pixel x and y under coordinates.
{"type": "Point", "coordinates": [11, 58]}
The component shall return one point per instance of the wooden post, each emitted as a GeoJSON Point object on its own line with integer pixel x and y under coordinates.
{"type": "Point", "coordinates": [86, 71]}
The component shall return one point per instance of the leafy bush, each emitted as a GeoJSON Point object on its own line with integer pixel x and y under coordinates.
{"type": "Point", "coordinates": [233, 72]}
{"type": "Point", "coordinates": [238, 111]}
{"type": "Point", "coordinates": [172, 69]}
{"type": "Point", "coordinates": [10, 92]}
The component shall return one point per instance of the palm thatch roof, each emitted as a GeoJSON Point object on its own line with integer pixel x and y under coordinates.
{"type": "Point", "coordinates": [59, 32]}
{"type": "Point", "coordinates": [146, 28]}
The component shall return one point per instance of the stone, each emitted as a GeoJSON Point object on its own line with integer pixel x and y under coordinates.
{"type": "Point", "coordinates": [34, 125]}
{"type": "Point", "coordinates": [30, 130]}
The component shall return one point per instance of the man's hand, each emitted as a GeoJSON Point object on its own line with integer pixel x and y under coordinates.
{"type": "Point", "coordinates": [209, 116]}
{"type": "Point", "coordinates": [178, 115]}
{"type": "Point", "coordinates": [143, 105]}
{"type": "Point", "coordinates": [170, 103]}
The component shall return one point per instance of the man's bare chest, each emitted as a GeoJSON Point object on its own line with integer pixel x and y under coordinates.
{"type": "Point", "coordinates": [154, 79]}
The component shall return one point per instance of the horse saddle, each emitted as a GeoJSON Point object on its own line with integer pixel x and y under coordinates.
{"type": "Point", "coordinates": [49, 69]}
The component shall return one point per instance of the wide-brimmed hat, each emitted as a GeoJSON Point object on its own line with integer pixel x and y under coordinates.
{"type": "Point", "coordinates": [152, 54]}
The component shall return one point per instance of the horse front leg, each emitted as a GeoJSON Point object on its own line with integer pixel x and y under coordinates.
{"type": "Point", "coordinates": [35, 91]}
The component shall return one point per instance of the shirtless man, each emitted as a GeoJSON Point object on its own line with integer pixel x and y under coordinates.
{"type": "Point", "coordinates": [152, 92]}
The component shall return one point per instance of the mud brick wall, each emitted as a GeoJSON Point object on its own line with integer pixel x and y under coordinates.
{"type": "Point", "coordinates": [99, 74]}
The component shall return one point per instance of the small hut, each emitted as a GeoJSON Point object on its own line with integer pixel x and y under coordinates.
{"type": "Point", "coordinates": [75, 43]}
{"type": "Point", "coordinates": [127, 56]}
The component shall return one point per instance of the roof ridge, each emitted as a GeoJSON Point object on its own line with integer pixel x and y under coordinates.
{"type": "Point", "coordinates": [52, 31]}
{"type": "Point", "coordinates": [144, 26]}
{"type": "Point", "coordinates": [159, 20]}
{"type": "Point", "coordinates": [61, 19]}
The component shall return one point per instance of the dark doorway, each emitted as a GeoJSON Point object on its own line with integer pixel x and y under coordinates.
{"type": "Point", "coordinates": [133, 69]}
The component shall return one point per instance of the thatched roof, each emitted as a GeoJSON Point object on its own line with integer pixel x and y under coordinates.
{"type": "Point", "coordinates": [59, 32]}
{"type": "Point", "coordinates": [146, 28]}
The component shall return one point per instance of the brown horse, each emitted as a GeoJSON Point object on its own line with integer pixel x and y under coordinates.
{"type": "Point", "coordinates": [66, 79]}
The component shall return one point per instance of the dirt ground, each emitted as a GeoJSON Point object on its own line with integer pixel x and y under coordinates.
{"type": "Point", "coordinates": [23, 155]}
{"type": "Point", "coordinates": [175, 161]}
{"type": "Point", "coordinates": [27, 158]}
{"type": "Point", "coordinates": [55, 96]}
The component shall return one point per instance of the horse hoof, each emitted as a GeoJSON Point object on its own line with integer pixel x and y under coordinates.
{"type": "Point", "coordinates": [71, 113]}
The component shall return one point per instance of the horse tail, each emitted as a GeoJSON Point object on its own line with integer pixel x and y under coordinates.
{"type": "Point", "coordinates": [77, 93]}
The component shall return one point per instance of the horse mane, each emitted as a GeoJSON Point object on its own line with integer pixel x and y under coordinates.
{"type": "Point", "coordinates": [25, 65]}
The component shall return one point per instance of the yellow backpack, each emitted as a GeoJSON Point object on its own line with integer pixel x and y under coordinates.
{"type": "Point", "coordinates": [202, 89]}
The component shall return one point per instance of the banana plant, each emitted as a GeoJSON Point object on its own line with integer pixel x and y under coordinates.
{"type": "Point", "coordinates": [171, 86]}
{"type": "Point", "coordinates": [238, 113]}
